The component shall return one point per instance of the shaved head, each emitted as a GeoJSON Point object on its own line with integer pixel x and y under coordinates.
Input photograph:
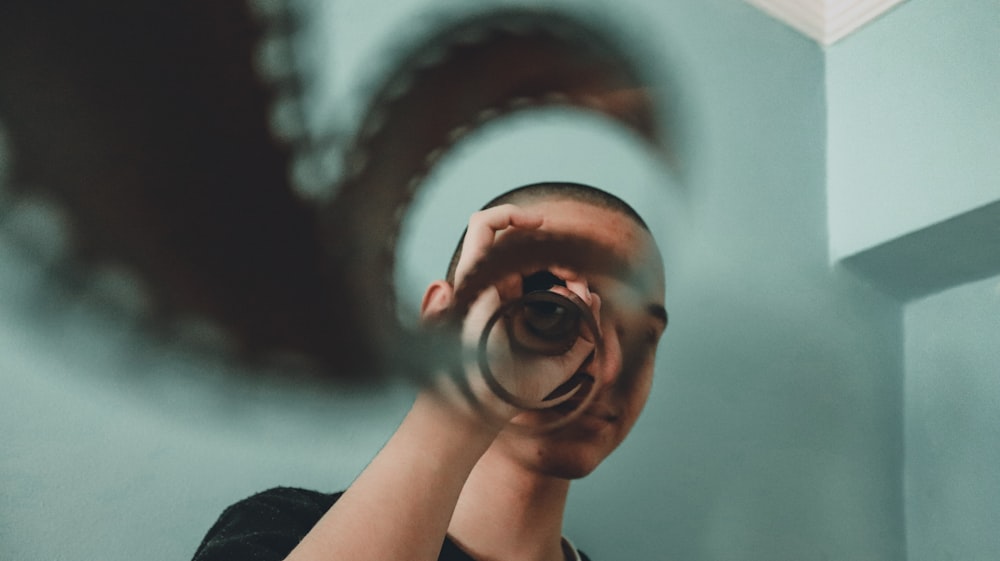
{"type": "Point", "coordinates": [527, 194]}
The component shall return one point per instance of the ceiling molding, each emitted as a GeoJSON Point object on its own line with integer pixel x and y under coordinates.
{"type": "Point", "coordinates": [825, 21]}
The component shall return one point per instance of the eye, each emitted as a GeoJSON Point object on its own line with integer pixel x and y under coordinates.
{"type": "Point", "coordinates": [549, 320]}
{"type": "Point", "coordinates": [545, 324]}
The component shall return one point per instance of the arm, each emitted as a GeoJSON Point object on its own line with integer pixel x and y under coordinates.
{"type": "Point", "coordinates": [401, 504]}
{"type": "Point", "coordinates": [400, 507]}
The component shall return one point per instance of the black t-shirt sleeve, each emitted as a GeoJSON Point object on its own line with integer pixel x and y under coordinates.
{"type": "Point", "coordinates": [264, 527]}
{"type": "Point", "coordinates": [268, 526]}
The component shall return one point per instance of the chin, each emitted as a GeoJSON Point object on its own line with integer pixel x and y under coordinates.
{"type": "Point", "coordinates": [563, 459]}
{"type": "Point", "coordinates": [572, 452]}
{"type": "Point", "coordinates": [568, 470]}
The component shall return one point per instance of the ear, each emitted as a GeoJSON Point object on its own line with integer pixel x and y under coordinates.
{"type": "Point", "coordinates": [437, 299]}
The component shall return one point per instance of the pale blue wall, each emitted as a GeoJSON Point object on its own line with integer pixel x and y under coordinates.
{"type": "Point", "coordinates": [112, 448]}
{"type": "Point", "coordinates": [914, 122]}
{"type": "Point", "coordinates": [773, 432]}
{"type": "Point", "coordinates": [953, 424]}
{"type": "Point", "coordinates": [914, 147]}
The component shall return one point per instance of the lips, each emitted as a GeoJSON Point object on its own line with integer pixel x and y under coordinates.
{"type": "Point", "coordinates": [596, 408]}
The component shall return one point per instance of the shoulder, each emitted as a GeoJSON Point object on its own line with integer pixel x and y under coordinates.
{"type": "Point", "coordinates": [264, 526]}
{"type": "Point", "coordinates": [290, 506]}
{"type": "Point", "coordinates": [282, 497]}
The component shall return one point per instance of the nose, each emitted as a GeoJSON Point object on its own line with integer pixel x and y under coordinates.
{"type": "Point", "coordinates": [605, 363]}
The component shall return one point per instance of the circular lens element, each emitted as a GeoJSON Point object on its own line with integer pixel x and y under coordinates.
{"type": "Point", "coordinates": [543, 323]}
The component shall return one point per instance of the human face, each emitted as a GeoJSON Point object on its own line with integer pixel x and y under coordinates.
{"type": "Point", "coordinates": [632, 319]}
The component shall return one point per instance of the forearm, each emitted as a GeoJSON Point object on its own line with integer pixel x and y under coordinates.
{"type": "Point", "coordinates": [400, 506]}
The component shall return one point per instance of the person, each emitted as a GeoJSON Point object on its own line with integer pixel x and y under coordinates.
{"type": "Point", "coordinates": [452, 483]}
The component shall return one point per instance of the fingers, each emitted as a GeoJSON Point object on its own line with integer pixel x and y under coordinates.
{"type": "Point", "coordinates": [483, 227]}
{"type": "Point", "coordinates": [510, 286]}
{"type": "Point", "coordinates": [528, 376]}
{"type": "Point", "coordinates": [585, 343]}
{"type": "Point", "coordinates": [595, 308]}
{"type": "Point", "coordinates": [574, 282]}
{"type": "Point", "coordinates": [481, 235]}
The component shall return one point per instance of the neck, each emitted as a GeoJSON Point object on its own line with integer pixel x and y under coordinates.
{"type": "Point", "coordinates": [508, 512]}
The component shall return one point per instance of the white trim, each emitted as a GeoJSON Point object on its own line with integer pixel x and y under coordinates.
{"type": "Point", "coordinates": [794, 14]}
{"type": "Point", "coordinates": [825, 21]}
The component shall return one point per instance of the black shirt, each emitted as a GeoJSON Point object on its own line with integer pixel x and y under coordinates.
{"type": "Point", "coordinates": [268, 526]}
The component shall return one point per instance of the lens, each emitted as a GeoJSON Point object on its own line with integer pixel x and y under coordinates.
{"type": "Point", "coordinates": [543, 323]}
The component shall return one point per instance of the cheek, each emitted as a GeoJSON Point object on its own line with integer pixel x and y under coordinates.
{"type": "Point", "coordinates": [638, 353]}
{"type": "Point", "coordinates": [641, 391]}
{"type": "Point", "coordinates": [634, 388]}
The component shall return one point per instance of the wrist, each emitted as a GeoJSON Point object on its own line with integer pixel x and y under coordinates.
{"type": "Point", "coordinates": [450, 411]}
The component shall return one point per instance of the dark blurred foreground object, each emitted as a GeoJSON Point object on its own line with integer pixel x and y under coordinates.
{"type": "Point", "coordinates": [147, 122]}
{"type": "Point", "coordinates": [150, 123]}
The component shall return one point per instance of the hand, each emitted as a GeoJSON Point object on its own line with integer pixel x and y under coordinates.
{"type": "Point", "coordinates": [530, 351]}
{"type": "Point", "coordinates": [528, 376]}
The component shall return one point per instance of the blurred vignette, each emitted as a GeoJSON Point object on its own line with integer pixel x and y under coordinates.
{"type": "Point", "coordinates": [161, 166]}
{"type": "Point", "coordinates": [820, 398]}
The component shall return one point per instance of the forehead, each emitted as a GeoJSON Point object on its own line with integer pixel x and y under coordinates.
{"type": "Point", "coordinates": [610, 228]}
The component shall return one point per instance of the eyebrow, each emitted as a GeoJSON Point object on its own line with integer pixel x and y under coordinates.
{"type": "Point", "coordinates": [658, 312]}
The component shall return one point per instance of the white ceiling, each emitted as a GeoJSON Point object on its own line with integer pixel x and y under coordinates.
{"type": "Point", "coordinates": [826, 21]}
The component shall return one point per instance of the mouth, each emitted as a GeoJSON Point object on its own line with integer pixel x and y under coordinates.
{"type": "Point", "coordinates": [596, 408]}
